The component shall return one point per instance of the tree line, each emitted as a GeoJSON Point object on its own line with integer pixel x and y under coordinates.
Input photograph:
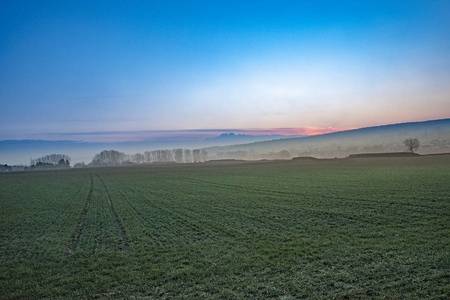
{"type": "Point", "coordinates": [51, 161]}
{"type": "Point", "coordinates": [115, 158]}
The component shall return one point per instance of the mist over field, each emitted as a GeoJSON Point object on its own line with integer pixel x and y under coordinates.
{"type": "Point", "coordinates": [434, 137]}
{"type": "Point", "coordinates": [19, 152]}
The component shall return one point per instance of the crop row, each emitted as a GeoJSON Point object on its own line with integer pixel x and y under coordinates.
{"type": "Point", "coordinates": [320, 229]}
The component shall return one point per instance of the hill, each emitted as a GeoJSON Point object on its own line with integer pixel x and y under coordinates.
{"type": "Point", "coordinates": [433, 135]}
{"type": "Point", "coordinates": [226, 139]}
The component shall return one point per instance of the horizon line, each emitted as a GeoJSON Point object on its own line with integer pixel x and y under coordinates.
{"type": "Point", "coordinates": [116, 136]}
{"type": "Point", "coordinates": [167, 135]}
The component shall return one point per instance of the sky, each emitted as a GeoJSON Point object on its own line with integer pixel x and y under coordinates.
{"type": "Point", "coordinates": [77, 69]}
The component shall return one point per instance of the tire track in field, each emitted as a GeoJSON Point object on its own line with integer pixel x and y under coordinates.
{"type": "Point", "coordinates": [123, 239]}
{"type": "Point", "coordinates": [81, 219]}
{"type": "Point", "coordinates": [63, 211]}
{"type": "Point", "coordinates": [139, 216]}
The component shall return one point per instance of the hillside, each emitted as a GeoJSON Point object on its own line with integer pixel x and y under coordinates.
{"type": "Point", "coordinates": [434, 137]}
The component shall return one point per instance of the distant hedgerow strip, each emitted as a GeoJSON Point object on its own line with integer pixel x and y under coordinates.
{"type": "Point", "coordinates": [123, 239]}
{"type": "Point", "coordinates": [81, 219]}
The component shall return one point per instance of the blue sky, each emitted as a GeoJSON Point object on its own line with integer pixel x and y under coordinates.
{"type": "Point", "coordinates": [95, 66]}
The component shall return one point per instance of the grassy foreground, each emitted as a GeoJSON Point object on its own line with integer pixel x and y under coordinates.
{"type": "Point", "coordinates": [344, 229]}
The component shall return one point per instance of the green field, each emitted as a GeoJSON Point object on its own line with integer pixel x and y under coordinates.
{"type": "Point", "coordinates": [344, 228]}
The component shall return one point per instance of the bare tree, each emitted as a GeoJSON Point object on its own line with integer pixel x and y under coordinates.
{"type": "Point", "coordinates": [109, 158]}
{"type": "Point", "coordinates": [147, 157]}
{"type": "Point", "coordinates": [203, 155]}
{"type": "Point", "coordinates": [187, 155]}
{"type": "Point", "coordinates": [412, 144]}
{"type": "Point", "coordinates": [167, 155]}
{"type": "Point", "coordinates": [284, 154]}
{"type": "Point", "coordinates": [138, 158]}
{"type": "Point", "coordinates": [178, 155]}
{"type": "Point", "coordinates": [80, 165]}
{"type": "Point", "coordinates": [196, 155]}
{"type": "Point", "coordinates": [59, 160]}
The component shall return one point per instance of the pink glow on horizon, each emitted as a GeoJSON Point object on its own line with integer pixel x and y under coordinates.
{"type": "Point", "coordinates": [293, 131]}
{"type": "Point", "coordinates": [307, 131]}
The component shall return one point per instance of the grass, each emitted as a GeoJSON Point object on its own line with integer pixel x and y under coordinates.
{"type": "Point", "coordinates": [345, 229]}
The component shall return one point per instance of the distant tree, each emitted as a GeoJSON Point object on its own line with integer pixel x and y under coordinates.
{"type": "Point", "coordinates": [53, 159]}
{"type": "Point", "coordinates": [63, 163]}
{"type": "Point", "coordinates": [42, 166]}
{"type": "Point", "coordinates": [284, 154]}
{"type": "Point", "coordinates": [5, 168]}
{"type": "Point", "coordinates": [203, 155]}
{"type": "Point", "coordinates": [178, 155]}
{"type": "Point", "coordinates": [108, 158]}
{"type": "Point", "coordinates": [137, 158]}
{"type": "Point", "coordinates": [154, 156]}
{"type": "Point", "coordinates": [187, 155]}
{"type": "Point", "coordinates": [196, 155]}
{"type": "Point", "coordinates": [167, 156]}
{"type": "Point", "coordinates": [80, 165]}
{"type": "Point", "coordinates": [158, 156]}
{"type": "Point", "coordinates": [147, 157]}
{"type": "Point", "coordinates": [412, 144]}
